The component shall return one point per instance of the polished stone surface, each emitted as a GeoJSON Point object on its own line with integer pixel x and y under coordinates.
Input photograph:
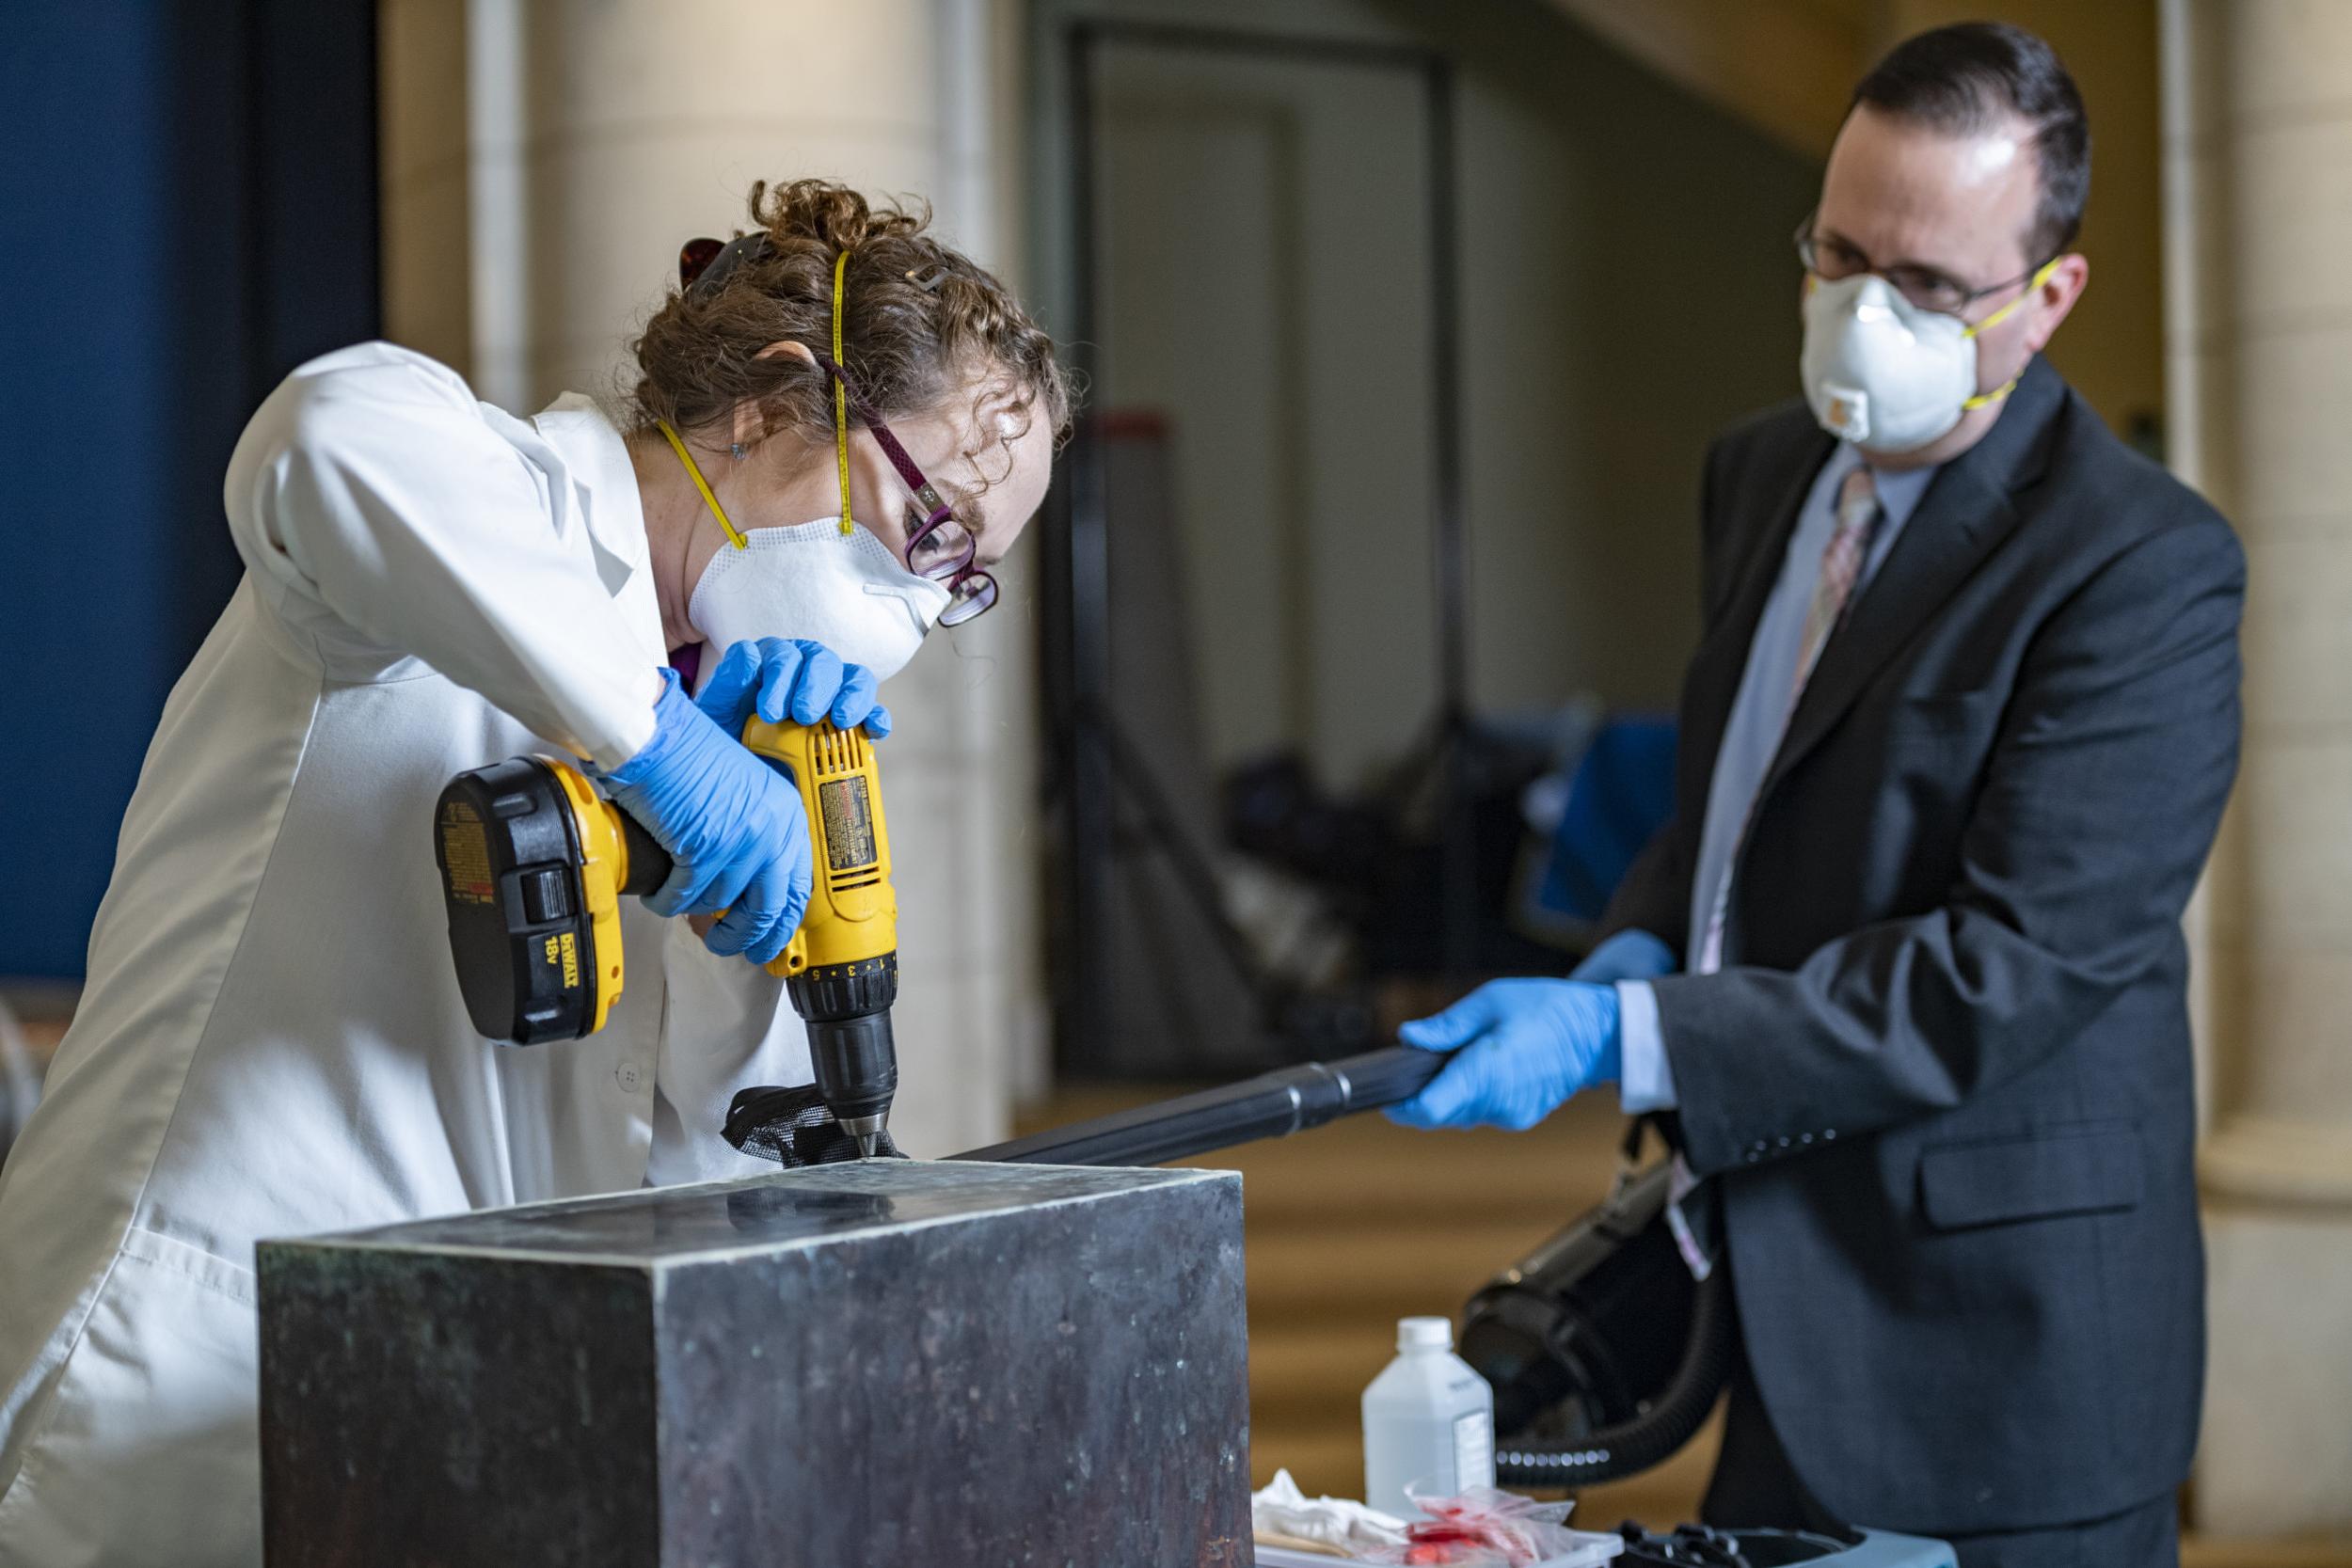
{"type": "Point", "coordinates": [828, 1203]}
{"type": "Point", "coordinates": [895, 1362]}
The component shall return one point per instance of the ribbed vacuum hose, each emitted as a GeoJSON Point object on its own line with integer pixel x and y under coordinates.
{"type": "Point", "coordinates": [1650, 1437]}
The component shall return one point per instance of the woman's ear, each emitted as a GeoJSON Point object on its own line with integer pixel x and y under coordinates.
{"type": "Point", "coordinates": [748, 429]}
{"type": "Point", "coordinates": [789, 347]}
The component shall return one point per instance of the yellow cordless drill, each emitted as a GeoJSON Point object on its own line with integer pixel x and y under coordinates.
{"type": "Point", "coordinates": [534, 864]}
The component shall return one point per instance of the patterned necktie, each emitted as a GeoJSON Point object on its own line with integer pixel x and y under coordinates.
{"type": "Point", "coordinates": [1858, 514]}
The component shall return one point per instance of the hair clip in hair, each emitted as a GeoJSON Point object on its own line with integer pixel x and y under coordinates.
{"type": "Point", "coordinates": [703, 266]}
{"type": "Point", "coordinates": [926, 278]}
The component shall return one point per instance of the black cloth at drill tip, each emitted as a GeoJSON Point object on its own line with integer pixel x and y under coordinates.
{"type": "Point", "coordinates": [792, 1126]}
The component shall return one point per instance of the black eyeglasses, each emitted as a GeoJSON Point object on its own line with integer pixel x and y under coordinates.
{"type": "Point", "coordinates": [939, 545]}
{"type": "Point", "coordinates": [1833, 258]}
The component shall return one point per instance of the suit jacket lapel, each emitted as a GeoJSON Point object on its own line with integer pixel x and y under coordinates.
{"type": "Point", "coordinates": [1964, 517]}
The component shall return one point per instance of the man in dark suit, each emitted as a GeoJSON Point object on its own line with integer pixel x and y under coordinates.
{"type": "Point", "coordinates": [1906, 967]}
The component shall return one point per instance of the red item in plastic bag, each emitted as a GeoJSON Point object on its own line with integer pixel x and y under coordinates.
{"type": "Point", "coordinates": [1484, 1526]}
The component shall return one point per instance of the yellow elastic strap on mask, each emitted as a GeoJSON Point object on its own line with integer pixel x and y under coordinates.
{"type": "Point", "coordinates": [841, 394]}
{"type": "Point", "coordinates": [2022, 294]}
{"type": "Point", "coordinates": [700, 484]}
{"type": "Point", "coordinates": [1982, 399]}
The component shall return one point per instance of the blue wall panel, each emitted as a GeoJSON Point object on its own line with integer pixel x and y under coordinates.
{"type": "Point", "coordinates": [188, 210]}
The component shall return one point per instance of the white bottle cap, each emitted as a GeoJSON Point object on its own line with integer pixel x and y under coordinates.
{"type": "Point", "coordinates": [1424, 1334]}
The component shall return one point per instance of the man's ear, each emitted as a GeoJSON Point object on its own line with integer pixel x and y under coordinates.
{"type": "Point", "coordinates": [2057, 294]}
{"type": "Point", "coordinates": [748, 429]}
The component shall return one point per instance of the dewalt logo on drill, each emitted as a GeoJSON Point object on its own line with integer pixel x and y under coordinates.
{"type": "Point", "coordinates": [564, 952]}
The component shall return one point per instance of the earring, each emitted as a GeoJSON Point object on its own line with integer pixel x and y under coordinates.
{"type": "Point", "coordinates": [737, 451]}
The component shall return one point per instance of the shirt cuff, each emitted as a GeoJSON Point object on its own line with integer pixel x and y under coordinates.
{"type": "Point", "coordinates": [1646, 1081]}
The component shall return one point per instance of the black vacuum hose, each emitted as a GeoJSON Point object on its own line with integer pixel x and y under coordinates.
{"type": "Point", "coordinates": [1654, 1435]}
{"type": "Point", "coordinates": [1273, 1105]}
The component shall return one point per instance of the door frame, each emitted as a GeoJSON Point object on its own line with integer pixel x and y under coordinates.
{"type": "Point", "coordinates": [1086, 768]}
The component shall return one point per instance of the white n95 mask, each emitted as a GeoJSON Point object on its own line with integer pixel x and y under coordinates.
{"type": "Point", "coordinates": [848, 591]}
{"type": "Point", "coordinates": [1884, 373]}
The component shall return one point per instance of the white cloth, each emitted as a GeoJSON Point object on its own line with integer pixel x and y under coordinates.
{"type": "Point", "coordinates": [272, 1043]}
{"type": "Point", "coordinates": [1280, 1509]}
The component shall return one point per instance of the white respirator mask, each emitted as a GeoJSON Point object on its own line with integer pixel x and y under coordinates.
{"type": "Point", "coordinates": [1884, 373]}
{"type": "Point", "coordinates": [848, 591]}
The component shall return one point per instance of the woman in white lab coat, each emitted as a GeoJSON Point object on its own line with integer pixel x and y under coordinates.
{"type": "Point", "coordinates": [272, 1043]}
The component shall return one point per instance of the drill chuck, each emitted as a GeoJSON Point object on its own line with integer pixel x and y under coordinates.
{"type": "Point", "coordinates": [851, 1046]}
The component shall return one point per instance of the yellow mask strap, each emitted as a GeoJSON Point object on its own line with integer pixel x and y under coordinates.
{"type": "Point", "coordinates": [701, 484]}
{"type": "Point", "coordinates": [841, 394]}
{"type": "Point", "coordinates": [1983, 399]}
{"type": "Point", "coordinates": [2023, 295]}
{"type": "Point", "coordinates": [1992, 396]}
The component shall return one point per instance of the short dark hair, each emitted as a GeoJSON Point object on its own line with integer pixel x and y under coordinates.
{"type": "Point", "coordinates": [1964, 79]}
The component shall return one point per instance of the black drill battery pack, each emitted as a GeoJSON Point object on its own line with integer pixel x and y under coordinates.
{"type": "Point", "coordinates": [507, 841]}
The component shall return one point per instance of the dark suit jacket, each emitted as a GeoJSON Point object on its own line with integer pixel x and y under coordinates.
{"type": "Point", "coordinates": [1944, 1074]}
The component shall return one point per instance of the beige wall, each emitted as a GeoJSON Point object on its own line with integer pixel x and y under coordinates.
{"type": "Point", "coordinates": [425, 186]}
{"type": "Point", "coordinates": [2259, 162]}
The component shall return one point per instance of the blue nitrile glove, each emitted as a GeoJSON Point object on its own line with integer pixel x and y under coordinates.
{"type": "Point", "coordinates": [1521, 1047]}
{"type": "Point", "coordinates": [1630, 955]}
{"type": "Point", "coordinates": [731, 821]}
{"type": "Point", "coordinates": [779, 677]}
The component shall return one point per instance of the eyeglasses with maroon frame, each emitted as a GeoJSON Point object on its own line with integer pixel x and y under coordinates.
{"type": "Point", "coordinates": [939, 545]}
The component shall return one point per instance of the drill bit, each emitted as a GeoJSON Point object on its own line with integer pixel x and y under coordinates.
{"type": "Point", "coordinates": [868, 1131]}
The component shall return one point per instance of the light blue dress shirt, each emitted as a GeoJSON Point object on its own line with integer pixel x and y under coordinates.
{"type": "Point", "coordinates": [1759, 715]}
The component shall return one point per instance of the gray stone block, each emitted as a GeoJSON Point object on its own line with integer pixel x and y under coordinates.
{"type": "Point", "coordinates": [899, 1364]}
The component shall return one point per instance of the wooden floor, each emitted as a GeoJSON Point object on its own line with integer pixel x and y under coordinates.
{"type": "Point", "coordinates": [1359, 1224]}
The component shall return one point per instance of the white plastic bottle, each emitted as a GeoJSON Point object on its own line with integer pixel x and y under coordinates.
{"type": "Point", "coordinates": [1429, 1422]}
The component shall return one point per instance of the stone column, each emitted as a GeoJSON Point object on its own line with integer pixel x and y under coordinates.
{"type": "Point", "coordinates": [544, 159]}
{"type": "Point", "coordinates": [2258, 153]}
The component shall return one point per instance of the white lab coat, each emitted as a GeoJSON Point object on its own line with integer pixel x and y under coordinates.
{"type": "Point", "coordinates": [272, 1043]}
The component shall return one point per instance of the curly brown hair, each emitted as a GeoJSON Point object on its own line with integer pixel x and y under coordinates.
{"type": "Point", "coordinates": [921, 322]}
